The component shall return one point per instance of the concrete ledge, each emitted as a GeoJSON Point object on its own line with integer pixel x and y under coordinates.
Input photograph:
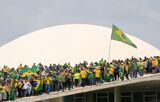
{"type": "Point", "coordinates": [145, 78]}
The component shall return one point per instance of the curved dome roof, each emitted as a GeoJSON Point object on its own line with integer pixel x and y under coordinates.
{"type": "Point", "coordinates": [72, 43]}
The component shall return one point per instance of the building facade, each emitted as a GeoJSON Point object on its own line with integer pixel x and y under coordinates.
{"type": "Point", "coordinates": [138, 92]}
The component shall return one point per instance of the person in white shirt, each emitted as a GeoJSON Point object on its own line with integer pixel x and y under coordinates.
{"type": "Point", "coordinates": [25, 87]}
{"type": "Point", "coordinates": [29, 88]}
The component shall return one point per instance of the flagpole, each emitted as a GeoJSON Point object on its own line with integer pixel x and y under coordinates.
{"type": "Point", "coordinates": [109, 53]}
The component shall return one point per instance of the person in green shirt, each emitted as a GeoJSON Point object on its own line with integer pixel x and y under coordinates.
{"type": "Point", "coordinates": [91, 77]}
{"type": "Point", "coordinates": [107, 75]}
{"type": "Point", "coordinates": [134, 66]}
{"type": "Point", "coordinates": [13, 89]}
{"type": "Point", "coordinates": [59, 79]}
{"type": "Point", "coordinates": [141, 67]}
{"type": "Point", "coordinates": [121, 73]}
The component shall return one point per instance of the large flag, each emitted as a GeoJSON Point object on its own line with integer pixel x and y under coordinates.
{"type": "Point", "coordinates": [118, 35]}
{"type": "Point", "coordinates": [34, 69]}
{"type": "Point", "coordinates": [24, 69]}
{"type": "Point", "coordinates": [38, 84]}
{"type": "Point", "coordinates": [28, 73]}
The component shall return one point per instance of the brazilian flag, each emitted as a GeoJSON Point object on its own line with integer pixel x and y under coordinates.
{"type": "Point", "coordinates": [34, 69]}
{"type": "Point", "coordinates": [118, 35]}
{"type": "Point", "coordinates": [38, 84]}
{"type": "Point", "coordinates": [24, 69]}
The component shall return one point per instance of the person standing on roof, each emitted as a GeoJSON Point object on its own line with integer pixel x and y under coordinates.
{"type": "Point", "coordinates": [83, 77]}
{"type": "Point", "coordinates": [111, 71]}
{"type": "Point", "coordinates": [59, 79]}
{"type": "Point", "coordinates": [97, 75]}
{"type": "Point", "coordinates": [77, 77]}
{"type": "Point", "coordinates": [141, 67]}
{"type": "Point", "coordinates": [116, 72]}
{"type": "Point", "coordinates": [134, 66]}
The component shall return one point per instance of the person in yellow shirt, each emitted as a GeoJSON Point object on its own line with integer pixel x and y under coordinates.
{"type": "Point", "coordinates": [154, 65]}
{"type": "Point", "coordinates": [48, 81]}
{"type": "Point", "coordinates": [7, 88]}
{"type": "Point", "coordinates": [5, 71]}
{"type": "Point", "coordinates": [111, 71]}
{"type": "Point", "coordinates": [4, 93]}
{"type": "Point", "coordinates": [156, 62]}
{"type": "Point", "coordinates": [97, 75]}
{"type": "Point", "coordinates": [20, 67]}
{"type": "Point", "coordinates": [77, 77]}
{"type": "Point", "coordinates": [83, 77]}
{"type": "Point", "coordinates": [126, 70]}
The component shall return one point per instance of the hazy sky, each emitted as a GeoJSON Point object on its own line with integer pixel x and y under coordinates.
{"type": "Point", "coordinates": [140, 18]}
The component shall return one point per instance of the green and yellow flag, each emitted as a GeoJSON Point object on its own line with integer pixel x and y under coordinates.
{"type": "Point", "coordinates": [118, 35]}
{"type": "Point", "coordinates": [38, 84]}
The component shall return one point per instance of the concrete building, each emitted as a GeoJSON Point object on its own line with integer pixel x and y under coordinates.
{"type": "Point", "coordinates": [143, 89]}
{"type": "Point", "coordinates": [76, 43]}
{"type": "Point", "coordinates": [72, 43]}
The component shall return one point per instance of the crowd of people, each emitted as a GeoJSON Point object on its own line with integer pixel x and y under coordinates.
{"type": "Point", "coordinates": [25, 81]}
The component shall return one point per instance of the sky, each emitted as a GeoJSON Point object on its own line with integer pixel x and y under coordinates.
{"type": "Point", "coordinates": [140, 18]}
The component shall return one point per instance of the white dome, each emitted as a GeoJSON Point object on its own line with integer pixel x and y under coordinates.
{"type": "Point", "coordinates": [72, 43]}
